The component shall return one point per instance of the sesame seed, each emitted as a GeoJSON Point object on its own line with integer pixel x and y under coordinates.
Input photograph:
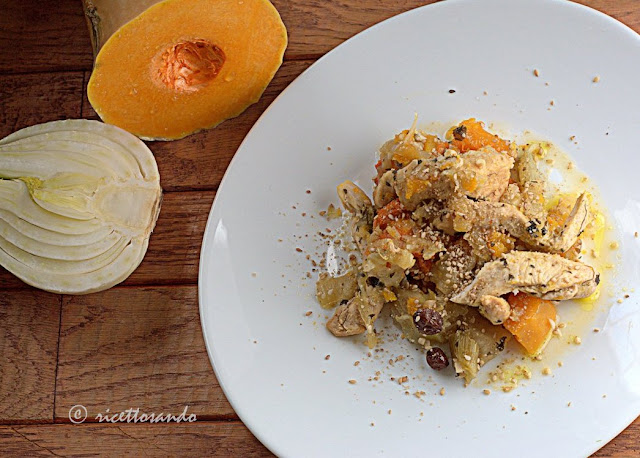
{"type": "Point", "coordinates": [487, 392]}
{"type": "Point", "coordinates": [536, 73]}
{"type": "Point", "coordinates": [308, 313]}
{"type": "Point", "coordinates": [353, 382]}
{"type": "Point", "coordinates": [327, 358]}
{"type": "Point", "coordinates": [442, 391]}
{"type": "Point", "coordinates": [596, 79]}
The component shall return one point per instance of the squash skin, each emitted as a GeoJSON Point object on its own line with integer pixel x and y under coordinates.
{"type": "Point", "coordinates": [122, 88]}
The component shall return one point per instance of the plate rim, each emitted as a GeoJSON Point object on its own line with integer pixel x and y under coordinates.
{"type": "Point", "coordinates": [211, 223]}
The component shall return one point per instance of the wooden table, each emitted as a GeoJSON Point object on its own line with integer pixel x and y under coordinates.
{"type": "Point", "coordinates": [139, 345]}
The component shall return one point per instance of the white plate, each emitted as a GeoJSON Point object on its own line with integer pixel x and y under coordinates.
{"type": "Point", "coordinates": [270, 358]}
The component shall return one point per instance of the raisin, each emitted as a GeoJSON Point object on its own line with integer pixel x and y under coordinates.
{"type": "Point", "coordinates": [428, 321]}
{"type": "Point", "coordinates": [373, 281]}
{"type": "Point", "coordinates": [436, 359]}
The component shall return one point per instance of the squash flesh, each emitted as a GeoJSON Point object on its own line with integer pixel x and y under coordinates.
{"type": "Point", "coordinates": [531, 322]}
{"type": "Point", "coordinates": [124, 88]}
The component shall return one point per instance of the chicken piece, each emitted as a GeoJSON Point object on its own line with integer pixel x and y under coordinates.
{"type": "Point", "coordinates": [358, 203]}
{"type": "Point", "coordinates": [482, 174]}
{"type": "Point", "coordinates": [347, 320]}
{"type": "Point", "coordinates": [573, 253]}
{"type": "Point", "coordinates": [532, 184]}
{"type": "Point", "coordinates": [495, 309]}
{"type": "Point", "coordinates": [463, 215]}
{"type": "Point", "coordinates": [548, 276]}
{"type": "Point", "coordinates": [512, 195]}
{"type": "Point", "coordinates": [575, 224]}
{"type": "Point", "coordinates": [384, 192]}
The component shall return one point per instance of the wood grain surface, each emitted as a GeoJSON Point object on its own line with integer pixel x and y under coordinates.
{"type": "Point", "coordinates": [140, 344]}
{"type": "Point", "coordinates": [29, 328]}
{"type": "Point", "coordinates": [136, 347]}
{"type": "Point", "coordinates": [219, 439]}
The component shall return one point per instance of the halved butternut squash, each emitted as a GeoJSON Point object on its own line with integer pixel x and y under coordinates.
{"type": "Point", "coordinates": [166, 69]}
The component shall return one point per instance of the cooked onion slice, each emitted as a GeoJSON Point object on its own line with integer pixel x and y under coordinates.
{"type": "Point", "coordinates": [78, 202]}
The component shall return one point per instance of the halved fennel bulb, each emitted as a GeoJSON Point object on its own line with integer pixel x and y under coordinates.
{"type": "Point", "coordinates": [78, 202]}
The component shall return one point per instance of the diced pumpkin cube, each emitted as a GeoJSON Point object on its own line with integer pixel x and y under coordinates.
{"type": "Point", "coordinates": [470, 135]}
{"type": "Point", "coordinates": [531, 322]}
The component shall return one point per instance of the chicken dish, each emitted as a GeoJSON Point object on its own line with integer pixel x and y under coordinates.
{"type": "Point", "coordinates": [465, 243]}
